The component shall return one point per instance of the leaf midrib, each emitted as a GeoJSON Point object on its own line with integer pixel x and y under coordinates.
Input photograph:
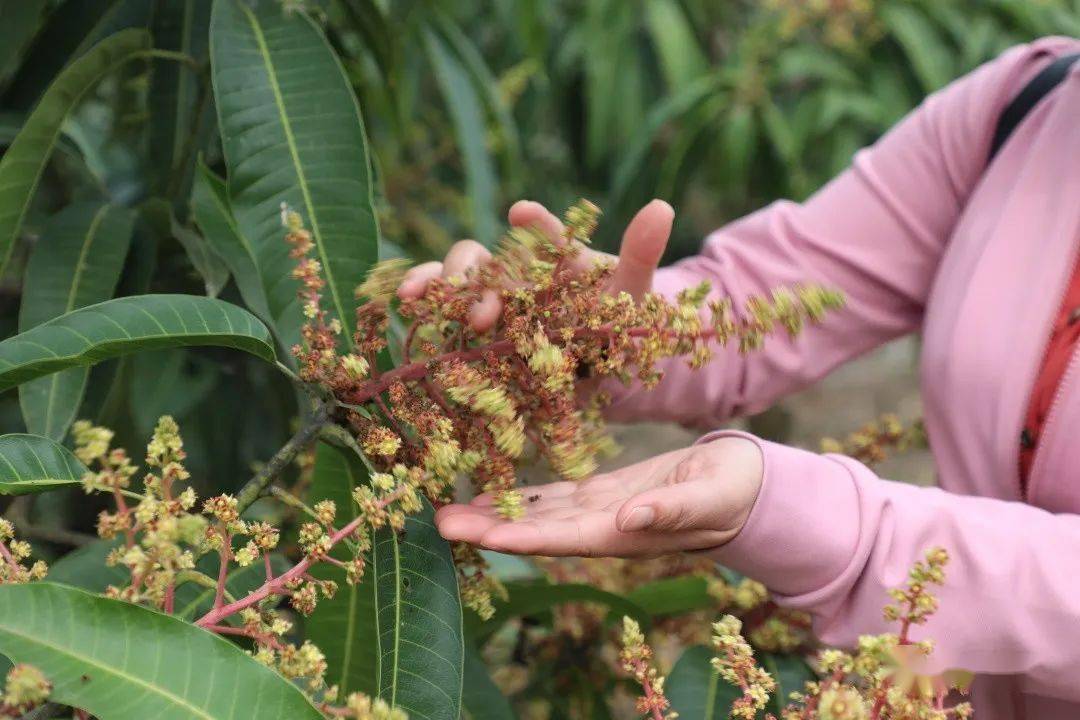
{"type": "Point", "coordinates": [177, 700]}
{"type": "Point", "coordinates": [290, 141]}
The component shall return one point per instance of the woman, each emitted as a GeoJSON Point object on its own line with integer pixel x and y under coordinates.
{"type": "Point", "coordinates": [921, 234]}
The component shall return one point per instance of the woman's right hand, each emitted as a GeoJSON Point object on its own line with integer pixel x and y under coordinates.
{"type": "Point", "coordinates": [642, 246]}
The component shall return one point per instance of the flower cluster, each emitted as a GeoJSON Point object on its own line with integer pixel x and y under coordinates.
{"type": "Point", "coordinates": [634, 658]}
{"type": "Point", "coordinates": [13, 556]}
{"type": "Point", "coordinates": [882, 678]}
{"type": "Point", "coordinates": [162, 535]}
{"type": "Point", "coordinates": [25, 688]}
{"type": "Point", "coordinates": [872, 443]}
{"type": "Point", "coordinates": [735, 663]}
{"type": "Point", "coordinates": [463, 403]}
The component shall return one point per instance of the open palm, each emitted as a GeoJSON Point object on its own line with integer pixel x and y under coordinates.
{"type": "Point", "coordinates": [691, 499]}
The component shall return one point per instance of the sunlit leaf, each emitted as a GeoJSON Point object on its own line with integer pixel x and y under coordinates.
{"type": "Point", "coordinates": [126, 325]}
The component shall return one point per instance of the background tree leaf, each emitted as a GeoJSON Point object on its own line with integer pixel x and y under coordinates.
{"type": "Point", "coordinates": [210, 204]}
{"type": "Point", "coordinates": [470, 128]}
{"type": "Point", "coordinates": [119, 661]}
{"type": "Point", "coordinates": [180, 98]}
{"type": "Point", "coordinates": [31, 463]}
{"type": "Point", "coordinates": [292, 132]}
{"type": "Point", "coordinates": [76, 262]}
{"type": "Point", "coordinates": [673, 596]}
{"type": "Point", "coordinates": [694, 688]}
{"type": "Point", "coordinates": [22, 19]}
{"type": "Point", "coordinates": [791, 674]}
{"type": "Point", "coordinates": [532, 597]}
{"type": "Point", "coordinates": [127, 325]}
{"type": "Point", "coordinates": [21, 166]}
{"type": "Point", "coordinates": [481, 697]}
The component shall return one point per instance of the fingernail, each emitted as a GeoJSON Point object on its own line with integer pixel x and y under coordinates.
{"type": "Point", "coordinates": [638, 519]}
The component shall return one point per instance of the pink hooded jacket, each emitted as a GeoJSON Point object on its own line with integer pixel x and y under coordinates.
{"type": "Point", "coordinates": [922, 236]}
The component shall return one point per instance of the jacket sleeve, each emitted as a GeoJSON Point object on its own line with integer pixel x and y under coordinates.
{"type": "Point", "coordinates": [876, 233]}
{"type": "Point", "coordinates": [829, 537]}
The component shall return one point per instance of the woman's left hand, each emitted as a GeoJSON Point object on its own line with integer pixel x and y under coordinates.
{"type": "Point", "coordinates": [692, 499]}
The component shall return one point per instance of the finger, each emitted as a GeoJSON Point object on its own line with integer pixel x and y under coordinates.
{"type": "Point", "coordinates": [584, 535]}
{"type": "Point", "coordinates": [416, 280]}
{"type": "Point", "coordinates": [643, 245]}
{"type": "Point", "coordinates": [590, 535]}
{"type": "Point", "coordinates": [463, 256]}
{"type": "Point", "coordinates": [676, 508]}
{"type": "Point", "coordinates": [485, 312]}
{"type": "Point", "coordinates": [530, 214]}
{"type": "Point", "coordinates": [462, 523]}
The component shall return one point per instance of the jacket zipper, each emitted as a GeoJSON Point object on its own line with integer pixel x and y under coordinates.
{"type": "Point", "coordinates": [1025, 483]}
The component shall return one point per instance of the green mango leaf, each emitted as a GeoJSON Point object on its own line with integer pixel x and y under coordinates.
{"type": "Point", "coordinates": [292, 133]}
{"type": "Point", "coordinates": [419, 620]}
{"type": "Point", "coordinates": [181, 115]}
{"type": "Point", "coordinates": [22, 18]}
{"type": "Point", "coordinates": [31, 463]}
{"type": "Point", "coordinates": [470, 127]}
{"type": "Point", "coordinates": [210, 204]}
{"type": "Point", "coordinates": [673, 596]}
{"type": "Point", "coordinates": [126, 325]}
{"type": "Point", "coordinates": [160, 218]}
{"type": "Point", "coordinates": [119, 661]}
{"type": "Point", "coordinates": [482, 698]}
{"type": "Point", "coordinates": [71, 29]}
{"type": "Point", "coordinates": [694, 688]}
{"type": "Point", "coordinates": [930, 56]}
{"type": "Point", "coordinates": [488, 88]}
{"type": "Point", "coordinates": [85, 567]}
{"type": "Point", "coordinates": [681, 56]}
{"type": "Point", "coordinates": [344, 626]}
{"type": "Point", "coordinates": [791, 674]}
{"type": "Point", "coordinates": [532, 597]}
{"type": "Point", "coordinates": [76, 262]}
{"type": "Point", "coordinates": [21, 166]}
{"type": "Point", "coordinates": [686, 100]}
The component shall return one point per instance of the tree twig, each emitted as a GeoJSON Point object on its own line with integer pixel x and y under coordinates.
{"type": "Point", "coordinates": [303, 437]}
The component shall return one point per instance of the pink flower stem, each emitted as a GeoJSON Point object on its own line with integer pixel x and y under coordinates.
{"type": "Point", "coordinates": [647, 688]}
{"type": "Point", "coordinates": [276, 586]}
{"type": "Point", "coordinates": [224, 554]}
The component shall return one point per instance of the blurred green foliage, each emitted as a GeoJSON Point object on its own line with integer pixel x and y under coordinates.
{"type": "Point", "coordinates": [718, 107]}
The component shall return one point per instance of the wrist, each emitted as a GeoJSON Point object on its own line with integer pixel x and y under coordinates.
{"type": "Point", "coordinates": [802, 529]}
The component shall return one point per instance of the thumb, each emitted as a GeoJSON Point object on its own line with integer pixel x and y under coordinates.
{"type": "Point", "coordinates": [685, 506]}
{"type": "Point", "coordinates": [643, 244]}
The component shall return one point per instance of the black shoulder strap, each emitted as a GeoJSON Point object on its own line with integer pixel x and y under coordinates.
{"type": "Point", "coordinates": [1050, 77]}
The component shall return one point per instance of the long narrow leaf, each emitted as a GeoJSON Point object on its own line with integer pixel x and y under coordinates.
{"type": "Point", "coordinates": [471, 130]}
{"type": "Point", "coordinates": [419, 620]}
{"type": "Point", "coordinates": [210, 203]}
{"type": "Point", "coordinates": [126, 325]}
{"type": "Point", "coordinates": [120, 661]}
{"type": "Point", "coordinates": [292, 133]}
{"type": "Point", "coordinates": [179, 96]}
{"type": "Point", "coordinates": [22, 164]}
{"type": "Point", "coordinates": [76, 262]}
{"type": "Point", "coordinates": [31, 463]}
